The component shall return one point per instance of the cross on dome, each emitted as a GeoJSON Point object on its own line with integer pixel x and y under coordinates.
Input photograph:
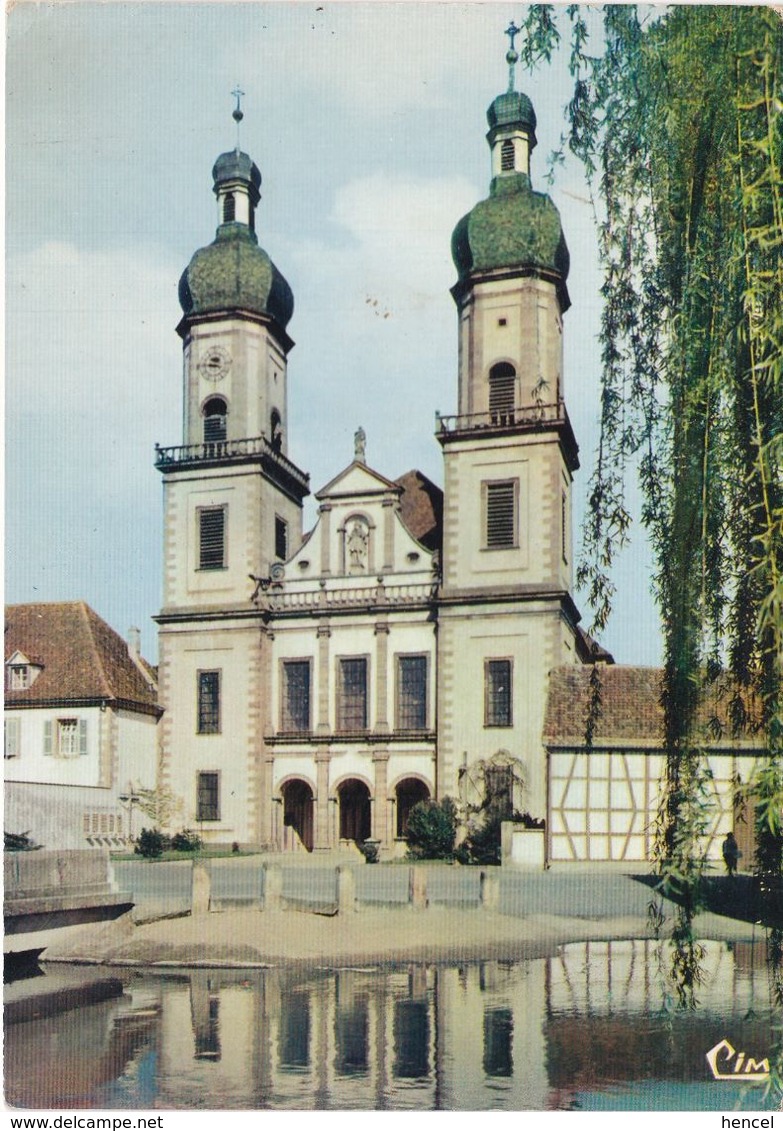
{"type": "Point", "coordinates": [512, 31]}
{"type": "Point", "coordinates": [237, 113]}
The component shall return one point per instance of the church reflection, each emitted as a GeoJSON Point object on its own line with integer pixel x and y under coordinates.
{"type": "Point", "coordinates": [528, 1035]}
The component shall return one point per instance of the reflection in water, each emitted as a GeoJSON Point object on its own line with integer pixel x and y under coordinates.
{"type": "Point", "coordinates": [582, 1028]}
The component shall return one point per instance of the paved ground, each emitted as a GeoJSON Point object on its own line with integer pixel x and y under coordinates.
{"type": "Point", "coordinates": [537, 912]}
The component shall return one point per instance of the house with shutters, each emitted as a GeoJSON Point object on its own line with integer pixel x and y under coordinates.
{"type": "Point", "coordinates": [80, 726]}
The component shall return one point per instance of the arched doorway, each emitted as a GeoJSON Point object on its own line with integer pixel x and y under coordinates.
{"type": "Point", "coordinates": [355, 819]}
{"type": "Point", "coordinates": [409, 792]}
{"type": "Point", "coordinates": [298, 810]}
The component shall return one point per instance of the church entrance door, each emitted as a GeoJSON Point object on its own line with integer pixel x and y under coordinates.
{"type": "Point", "coordinates": [298, 810]}
{"type": "Point", "coordinates": [355, 820]}
{"type": "Point", "coordinates": [409, 792]}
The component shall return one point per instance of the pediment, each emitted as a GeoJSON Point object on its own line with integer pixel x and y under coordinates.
{"type": "Point", "coordinates": [357, 480]}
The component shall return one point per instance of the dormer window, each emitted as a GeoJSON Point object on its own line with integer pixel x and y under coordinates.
{"type": "Point", "coordinates": [507, 156]}
{"type": "Point", "coordinates": [19, 677]}
{"type": "Point", "coordinates": [20, 673]}
{"type": "Point", "coordinates": [229, 208]}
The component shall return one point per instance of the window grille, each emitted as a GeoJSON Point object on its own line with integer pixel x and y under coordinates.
{"type": "Point", "coordinates": [501, 524]}
{"type": "Point", "coordinates": [229, 208]}
{"type": "Point", "coordinates": [507, 156]}
{"type": "Point", "coordinates": [295, 715]}
{"type": "Point", "coordinates": [497, 693]}
{"type": "Point", "coordinates": [209, 702]}
{"type": "Point", "coordinates": [212, 550]}
{"type": "Point", "coordinates": [352, 695]}
{"type": "Point", "coordinates": [208, 797]}
{"type": "Point", "coordinates": [412, 693]}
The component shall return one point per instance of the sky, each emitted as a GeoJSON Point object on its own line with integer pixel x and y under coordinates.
{"type": "Point", "coordinates": [367, 121]}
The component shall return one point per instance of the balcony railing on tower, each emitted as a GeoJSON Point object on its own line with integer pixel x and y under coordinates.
{"type": "Point", "coordinates": [229, 451]}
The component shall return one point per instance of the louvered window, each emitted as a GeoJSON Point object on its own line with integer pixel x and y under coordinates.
{"type": "Point", "coordinates": [507, 156]}
{"type": "Point", "coordinates": [281, 538]}
{"type": "Point", "coordinates": [212, 527]}
{"type": "Point", "coordinates": [497, 693]}
{"type": "Point", "coordinates": [411, 692]}
{"type": "Point", "coordinates": [500, 515]}
{"type": "Point", "coordinates": [296, 696]}
{"type": "Point", "coordinates": [502, 393]}
{"type": "Point", "coordinates": [208, 797]}
{"type": "Point", "coordinates": [208, 702]}
{"type": "Point", "coordinates": [352, 695]}
{"type": "Point", "coordinates": [229, 208]}
{"type": "Point", "coordinates": [214, 421]}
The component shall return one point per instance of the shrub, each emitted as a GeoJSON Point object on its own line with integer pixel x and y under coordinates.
{"type": "Point", "coordinates": [483, 843]}
{"type": "Point", "coordinates": [151, 843]}
{"type": "Point", "coordinates": [432, 828]}
{"type": "Point", "coordinates": [186, 841]}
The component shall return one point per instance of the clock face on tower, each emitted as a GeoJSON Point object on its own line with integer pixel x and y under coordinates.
{"type": "Point", "coordinates": [215, 363]}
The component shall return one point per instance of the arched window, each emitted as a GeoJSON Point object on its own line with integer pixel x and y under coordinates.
{"type": "Point", "coordinates": [215, 411]}
{"type": "Point", "coordinates": [276, 430]}
{"type": "Point", "coordinates": [229, 208]}
{"type": "Point", "coordinates": [507, 156]}
{"type": "Point", "coordinates": [502, 393]}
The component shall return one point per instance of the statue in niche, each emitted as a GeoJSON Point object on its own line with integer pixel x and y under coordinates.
{"type": "Point", "coordinates": [357, 544]}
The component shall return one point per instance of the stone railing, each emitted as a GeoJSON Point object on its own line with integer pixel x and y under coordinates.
{"type": "Point", "coordinates": [227, 451]}
{"type": "Point", "coordinates": [521, 416]}
{"type": "Point", "coordinates": [281, 600]}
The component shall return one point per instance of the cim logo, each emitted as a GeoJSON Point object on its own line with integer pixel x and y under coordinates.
{"type": "Point", "coordinates": [728, 1064]}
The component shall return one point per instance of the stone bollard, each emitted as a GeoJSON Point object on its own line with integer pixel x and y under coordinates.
{"type": "Point", "coordinates": [346, 891]}
{"type": "Point", "coordinates": [273, 888]}
{"type": "Point", "coordinates": [417, 889]}
{"type": "Point", "coordinates": [490, 891]}
{"type": "Point", "coordinates": [201, 890]}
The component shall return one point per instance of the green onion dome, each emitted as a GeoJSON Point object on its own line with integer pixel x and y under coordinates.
{"type": "Point", "coordinates": [234, 273]}
{"type": "Point", "coordinates": [513, 228]}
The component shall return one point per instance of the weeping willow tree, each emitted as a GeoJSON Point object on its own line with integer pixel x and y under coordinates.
{"type": "Point", "coordinates": [676, 115]}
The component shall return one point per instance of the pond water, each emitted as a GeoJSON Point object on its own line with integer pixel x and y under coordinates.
{"type": "Point", "coordinates": [593, 1026]}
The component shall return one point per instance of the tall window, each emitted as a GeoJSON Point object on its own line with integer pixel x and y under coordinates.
{"type": "Point", "coordinates": [208, 796]}
{"type": "Point", "coordinates": [501, 526]}
{"type": "Point", "coordinates": [497, 693]}
{"type": "Point", "coordinates": [214, 420]}
{"type": "Point", "coordinates": [295, 714]}
{"type": "Point", "coordinates": [208, 703]}
{"type": "Point", "coordinates": [212, 537]}
{"type": "Point", "coordinates": [281, 538]}
{"type": "Point", "coordinates": [411, 692]}
{"type": "Point", "coordinates": [507, 156]}
{"type": "Point", "coordinates": [229, 208]}
{"type": "Point", "coordinates": [352, 695]}
{"type": "Point", "coordinates": [502, 393]}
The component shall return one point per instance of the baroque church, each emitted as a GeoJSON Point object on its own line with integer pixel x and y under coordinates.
{"type": "Point", "coordinates": [416, 643]}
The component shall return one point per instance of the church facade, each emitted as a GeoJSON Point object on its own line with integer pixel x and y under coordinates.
{"type": "Point", "coordinates": [317, 686]}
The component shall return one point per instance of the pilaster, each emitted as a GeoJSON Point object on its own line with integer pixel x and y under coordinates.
{"type": "Point", "coordinates": [382, 677]}
{"type": "Point", "coordinates": [322, 834]}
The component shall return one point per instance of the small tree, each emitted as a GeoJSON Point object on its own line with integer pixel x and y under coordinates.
{"type": "Point", "coordinates": [432, 830]}
{"type": "Point", "coordinates": [151, 843]}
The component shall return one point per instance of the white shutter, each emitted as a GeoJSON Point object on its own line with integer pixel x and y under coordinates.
{"type": "Point", "coordinates": [48, 737]}
{"type": "Point", "coordinates": [82, 736]}
{"type": "Point", "coordinates": [12, 735]}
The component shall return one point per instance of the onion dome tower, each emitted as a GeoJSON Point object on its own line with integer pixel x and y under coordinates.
{"type": "Point", "coordinates": [506, 611]}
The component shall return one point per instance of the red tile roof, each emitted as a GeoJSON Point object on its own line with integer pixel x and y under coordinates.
{"type": "Point", "coordinates": [82, 657]}
{"type": "Point", "coordinates": [628, 711]}
{"type": "Point", "coordinates": [421, 508]}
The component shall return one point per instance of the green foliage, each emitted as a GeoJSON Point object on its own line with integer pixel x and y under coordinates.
{"type": "Point", "coordinates": [677, 118]}
{"type": "Point", "coordinates": [186, 841]}
{"type": "Point", "coordinates": [151, 843]}
{"type": "Point", "coordinates": [432, 830]}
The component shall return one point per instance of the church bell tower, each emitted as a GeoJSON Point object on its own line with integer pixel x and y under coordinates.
{"type": "Point", "coordinates": [506, 611]}
{"type": "Point", "coordinates": [232, 510]}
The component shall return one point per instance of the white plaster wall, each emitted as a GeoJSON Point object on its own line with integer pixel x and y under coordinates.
{"type": "Point", "coordinates": [53, 815]}
{"type": "Point", "coordinates": [137, 750]}
{"type": "Point", "coordinates": [32, 765]}
{"type": "Point", "coordinates": [235, 652]}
